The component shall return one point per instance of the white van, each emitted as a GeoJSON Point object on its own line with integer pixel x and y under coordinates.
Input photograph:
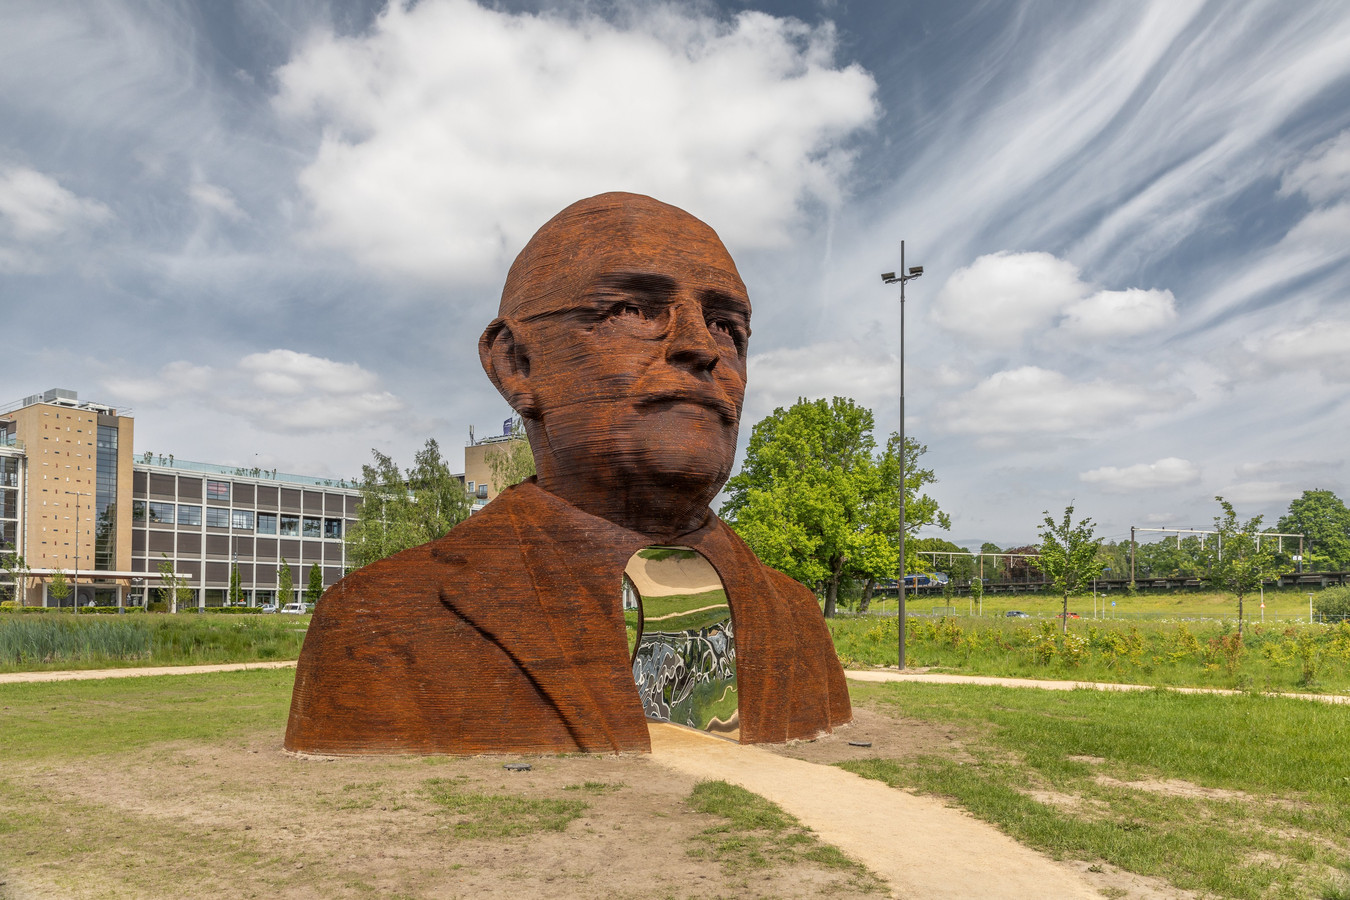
{"type": "Point", "coordinates": [298, 609]}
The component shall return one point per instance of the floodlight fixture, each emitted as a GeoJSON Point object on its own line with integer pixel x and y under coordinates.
{"type": "Point", "coordinates": [915, 271]}
{"type": "Point", "coordinates": [888, 277]}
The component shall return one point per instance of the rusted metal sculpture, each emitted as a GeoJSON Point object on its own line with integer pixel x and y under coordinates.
{"type": "Point", "coordinates": [621, 341]}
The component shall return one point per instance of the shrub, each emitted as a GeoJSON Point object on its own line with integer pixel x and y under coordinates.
{"type": "Point", "coordinates": [1333, 603]}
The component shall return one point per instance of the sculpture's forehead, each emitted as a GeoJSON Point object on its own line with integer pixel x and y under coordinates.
{"type": "Point", "coordinates": [616, 233]}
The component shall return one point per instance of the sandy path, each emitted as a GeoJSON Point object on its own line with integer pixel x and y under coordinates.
{"type": "Point", "coordinates": [88, 674]}
{"type": "Point", "coordinates": [936, 678]}
{"type": "Point", "coordinates": [951, 855]}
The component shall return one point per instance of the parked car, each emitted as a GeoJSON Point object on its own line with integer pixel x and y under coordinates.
{"type": "Point", "coordinates": [1072, 615]}
{"type": "Point", "coordinates": [268, 608]}
{"type": "Point", "coordinates": [1016, 614]}
{"type": "Point", "coordinates": [298, 609]}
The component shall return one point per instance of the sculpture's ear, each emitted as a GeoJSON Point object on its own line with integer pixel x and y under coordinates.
{"type": "Point", "coordinates": [507, 363]}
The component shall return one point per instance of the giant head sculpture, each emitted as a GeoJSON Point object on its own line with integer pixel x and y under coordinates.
{"type": "Point", "coordinates": [621, 341]}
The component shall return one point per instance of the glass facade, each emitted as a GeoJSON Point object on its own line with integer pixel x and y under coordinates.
{"type": "Point", "coordinates": [241, 520]}
{"type": "Point", "coordinates": [189, 514]}
{"type": "Point", "coordinates": [217, 517]}
{"type": "Point", "coordinates": [312, 527]}
{"type": "Point", "coordinates": [105, 499]}
{"type": "Point", "coordinates": [217, 490]}
{"type": "Point", "coordinates": [161, 513]}
{"type": "Point", "coordinates": [267, 523]}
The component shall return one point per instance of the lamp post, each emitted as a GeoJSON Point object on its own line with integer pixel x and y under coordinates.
{"type": "Point", "coordinates": [77, 495]}
{"type": "Point", "coordinates": [905, 275]}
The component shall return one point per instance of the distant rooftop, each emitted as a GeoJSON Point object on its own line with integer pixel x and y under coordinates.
{"type": "Point", "coordinates": [155, 460]}
{"type": "Point", "coordinates": [61, 397]}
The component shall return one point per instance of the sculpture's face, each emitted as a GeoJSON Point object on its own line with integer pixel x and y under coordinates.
{"type": "Point", "coordinates": [640, 376]}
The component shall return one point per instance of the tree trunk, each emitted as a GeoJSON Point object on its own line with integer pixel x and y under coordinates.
{"type": "Point", "coordinates": [1239, 615]}
{"type": "Point", "coordinates": [1064, 616]}
{"type": "Point", "coordinates": [832, 588]}
{"type": "Point", "coordinates": [866, 602]}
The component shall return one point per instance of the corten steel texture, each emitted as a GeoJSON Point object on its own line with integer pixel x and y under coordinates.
{"type": "Point", "coordinates": [621, 340]}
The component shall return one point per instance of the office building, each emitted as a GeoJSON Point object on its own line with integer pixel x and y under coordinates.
{"type": "Point", "coordinates": [76, 500]}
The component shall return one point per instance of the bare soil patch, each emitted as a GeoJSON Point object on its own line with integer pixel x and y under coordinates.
{"type": "Point", "coordinates": [250, 820]}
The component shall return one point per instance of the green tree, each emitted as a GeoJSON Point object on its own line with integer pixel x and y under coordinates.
{"type": "Point", "coordinates": [1324, 521]}
{"type": "Point", "coordinates": [510, 462]}
{"type": "Point", "coordinates": [404, 509]}
{"type": "Point", "coordinates": [285, 584]}
{"type": "Point", "coordinates": [1069, 556]}
{"type": "Point", "coordinates": [173, 588]}
{"type": "Point", "coordinates": [59, 589]}
{"type": "Point", "coordinates": [1239, 560]}
{"type": "Point", "coordinates": [236, 590]}
{"type": "Point", "coordinates": [816, 501]}
{"type": "Point", "coordinates": [315, 588]}
{"type": "Point", "coordinates": [16, 567]}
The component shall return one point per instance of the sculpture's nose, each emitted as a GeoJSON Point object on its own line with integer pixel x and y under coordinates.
{"type": "Point", "coordinates": [689, 343]}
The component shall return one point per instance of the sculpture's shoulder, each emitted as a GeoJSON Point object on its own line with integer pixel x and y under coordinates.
{"type": "Point", "coordinates": [482, 546]}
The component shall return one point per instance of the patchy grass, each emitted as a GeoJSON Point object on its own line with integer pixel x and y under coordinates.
{"type": "Point", "coordinates": [481, 816]}
{"type": "Point", "coordinates": [758, 834]}
{"type": "Point", "coordinates": [1240, 797]}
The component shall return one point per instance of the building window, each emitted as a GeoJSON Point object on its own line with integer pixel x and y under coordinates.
{"type": "Point", "coordinates": [138, 510]}
{"type": "Point", "coordinates": [312, 527]}
{"type": "Point", "coordinates": [189, 515]}
{"type": "Point", "coordinates": [267, 523]}
{"type": "Point", "coordinates": [290, 526]}
{"type": "Point", "coordinates": [242, 520]}
{"type": "Point", "coordinates": [161, 513]}
{"type": "Point", "coordinates": [217, 490]}
{"type": "Point", "coordinates": [332, 528]}
{"type": "Point", "coordinates": [217, 517]}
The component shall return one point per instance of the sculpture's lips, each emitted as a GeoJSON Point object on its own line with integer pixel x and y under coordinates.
{"type": "Point", "coordinates": [706, 399]}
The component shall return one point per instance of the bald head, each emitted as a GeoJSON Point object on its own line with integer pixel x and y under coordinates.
{"type": "Point", "coordinates": [609, 233]}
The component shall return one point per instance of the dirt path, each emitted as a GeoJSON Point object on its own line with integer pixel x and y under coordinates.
{"type": "Point", "coordinates": [952, 855]}
{"type": "Point", "coordinates": [937, 678]}
{"type": "Point", "coordinates": [88, 674]}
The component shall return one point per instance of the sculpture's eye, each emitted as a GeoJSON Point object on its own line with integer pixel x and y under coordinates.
{"type": "Point", "coordinates": [628, 311]}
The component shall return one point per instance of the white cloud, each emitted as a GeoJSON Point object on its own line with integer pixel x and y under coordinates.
{"type": "Point", "coordinates": [36, 213]}
{"type": "Point", "coordinates": [1001, 296]}
{"type": "Point", "coordinates": [1320, 347]}
{"type": "Point", "coordinates": [1288, 468]}
{"type": "Point", "coordinates": [216, 198]}
{"type": "Point", "coordinates": [832, 369]}
{"type": "Point", "coordinates": [1120, 313]}
{"type": "Point", "coordinates": [1325, 174]}
{"type": "Point", "coordinates": [1170, 472]}
{"type": "Point", "coordinates": [281, 391]}
{"type": "Point", "coordinates": [450, 132]}
{"type": "Point", "coordinates": [1261, 493]}
{"type": "Point", "coordinates": [1031, 399]}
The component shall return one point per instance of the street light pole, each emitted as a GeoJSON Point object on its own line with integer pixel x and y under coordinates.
{"type": "Point", "coordinates": [905, 275]}
{"type": "Point", "coordinates": [76, 579]}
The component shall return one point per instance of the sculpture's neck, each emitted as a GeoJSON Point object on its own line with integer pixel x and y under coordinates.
{"type": "Point", "coordinates": [661, 514]}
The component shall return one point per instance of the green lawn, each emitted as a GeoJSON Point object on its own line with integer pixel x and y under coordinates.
{"type": "Point", "coordinates": [1275, 657]}
{"type": "Point", "coordinates": [1241, 797]}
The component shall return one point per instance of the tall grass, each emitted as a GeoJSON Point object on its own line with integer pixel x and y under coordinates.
{"type": "Point", "coordinates": [1277, 657]}
{"type": "Point", "coordinates": [30, 643]}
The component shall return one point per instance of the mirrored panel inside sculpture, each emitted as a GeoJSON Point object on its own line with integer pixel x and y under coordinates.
{"type": "Point", "coordinates": [683, 640]}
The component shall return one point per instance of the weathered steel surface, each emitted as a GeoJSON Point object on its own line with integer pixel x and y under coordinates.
{"type": "Point", "coordinates": [621, 340]}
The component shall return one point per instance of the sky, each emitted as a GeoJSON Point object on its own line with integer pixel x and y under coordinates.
{"type": "Point", "coordinates": [273, 230]}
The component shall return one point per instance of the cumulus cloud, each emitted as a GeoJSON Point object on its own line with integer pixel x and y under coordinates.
{"type": "Point", "coordinates": [1318, 347]}
{"type": "Point", "coordinates": [34, 206]}
{"type": "Point", "coordinates": [1001, 297]}
{"type": "Point", "coordinates": [1031, 399]}
{"type": "Point", "coordinates": [1120, 313]}
{"type": "Point", "coordinates": [450, 132]}
{"type": "Point", "coordinates": [281, 391]}
{"type": "Point", "coordinates": [1169, 472]}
